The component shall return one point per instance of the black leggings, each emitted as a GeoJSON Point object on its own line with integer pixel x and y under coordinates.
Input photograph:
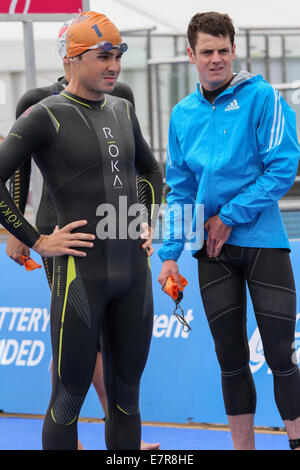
{"type": "Point", "coordinates": [85, 306]}
{"type": "Point", "coordinates": [270, 280]}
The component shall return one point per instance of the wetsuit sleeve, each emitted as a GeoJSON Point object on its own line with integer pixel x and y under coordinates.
{"type": "Point", "coordinates": [149, 175]}
{"type": "Point", "coordinates": [19, 185]}
{"type": "Point", "coordinates": [279, 153]}
{"type": "Point", "coordinates": [20, 181]}
{"type": "Point", "coordinates": [31, 131]}
{"type": "Point", "coordinates": [182, 195]}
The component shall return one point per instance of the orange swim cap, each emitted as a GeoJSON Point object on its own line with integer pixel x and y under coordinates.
{"type": "Point", "coordinates": [88, 30]}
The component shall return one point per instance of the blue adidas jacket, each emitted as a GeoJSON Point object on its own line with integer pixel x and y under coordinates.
{"type": "Point", "coordinates": [238, 157]}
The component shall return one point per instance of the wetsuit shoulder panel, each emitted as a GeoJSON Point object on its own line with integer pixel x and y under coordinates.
{"type": "Point", "coordinates": [124, 91]}
{"type": "Point", "coordinates": [32, 129]}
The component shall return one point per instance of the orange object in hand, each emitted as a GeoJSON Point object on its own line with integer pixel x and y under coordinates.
{"type": "Point", "coordinates": [172, 288]}
{"type": "Point", "coordinates": [29, 263]}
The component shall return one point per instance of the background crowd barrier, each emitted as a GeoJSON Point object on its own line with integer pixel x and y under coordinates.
{"type": "Point", "coordinates": [181, 382]}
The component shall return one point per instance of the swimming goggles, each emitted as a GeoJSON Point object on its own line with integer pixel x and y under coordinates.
{"type": "Point", "coordinates": [107, 46]}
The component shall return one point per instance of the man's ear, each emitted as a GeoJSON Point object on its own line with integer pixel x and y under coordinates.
{"type": "Point", "coordinates": [233, 51]}
{"type": "Point", "coordinates": [191, 55]}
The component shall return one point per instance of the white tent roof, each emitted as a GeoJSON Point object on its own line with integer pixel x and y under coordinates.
{"type": "Point", "coordinates": [172, 16]}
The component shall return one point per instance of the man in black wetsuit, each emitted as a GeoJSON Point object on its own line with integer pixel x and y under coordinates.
{"type": "Point", "coordinates": [19, 183]}
{"type": "Point", "coordinates": [46, 218]}
{"type": "Point", "coordinates": [89, 149]}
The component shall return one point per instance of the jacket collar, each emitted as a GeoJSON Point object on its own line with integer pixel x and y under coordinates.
{"type": "Point", "coordinates": [240, 78]}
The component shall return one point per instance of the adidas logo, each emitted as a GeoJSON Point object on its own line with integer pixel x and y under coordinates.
{"type": "Point", "coordinates": [233, 105]}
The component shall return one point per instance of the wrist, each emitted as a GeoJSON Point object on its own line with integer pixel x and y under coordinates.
{"type": "Point", "coordinates": [169, 261]}
{"type": "Point", "coordinates": [38, 246]}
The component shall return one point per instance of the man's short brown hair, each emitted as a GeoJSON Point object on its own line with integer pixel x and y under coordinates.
{"type": "Point", "coordinates": [213, 23]}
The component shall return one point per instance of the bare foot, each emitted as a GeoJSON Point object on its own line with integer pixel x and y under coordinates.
{"type": "Point", "coordinates": [144, 446]}
{"type": "Point", "coordinates": [80, 446]}
{"type": "Point", "coordinates": [149, 446]}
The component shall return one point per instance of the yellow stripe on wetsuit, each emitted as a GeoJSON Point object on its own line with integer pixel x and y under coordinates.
{"type": "Point", "coordinates": [152, 206]}
{"type": "Point", "coordinates": [81, 102]}
{"type": "Point", "coordinates": [71, 275]}
{"type": "Point", "coordinates": [54, 120]}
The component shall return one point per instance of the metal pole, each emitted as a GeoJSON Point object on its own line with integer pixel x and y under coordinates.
{"type": "Point", "coordinates": [283, 59]}
{"type": "Point", "coordinates": [248, 50]}
{"type": "Point", "coordinates": [283, 63]}
{"type": "Point", "coordinates": [175, 74]}
{"type": "Point", "coordinates": [159, 119]}
{"type": "Point", "coordinates": [30, 69]}
{"type": "Point", "coordinates": [37, 17]}
{"type": "Point", "coordinates": [267, 58]}
{"type": "Point", "coordinates": [86, 5]}
{"type": "Point", "coordinates": [149, 89]}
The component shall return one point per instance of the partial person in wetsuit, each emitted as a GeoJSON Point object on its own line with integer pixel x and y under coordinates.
{"type": "Point", "coordinates": [46, 218]}
{"type": "Point", "coordinates": [90, 149]}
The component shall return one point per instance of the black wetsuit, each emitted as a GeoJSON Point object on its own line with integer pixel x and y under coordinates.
{"type": "Point", "coordinates": [89, 154]}
{"type": "Point", "coordinates": [19, 183]}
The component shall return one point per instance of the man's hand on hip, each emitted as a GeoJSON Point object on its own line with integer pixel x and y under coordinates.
{"type": "Point", "coordinates": [64, 242]}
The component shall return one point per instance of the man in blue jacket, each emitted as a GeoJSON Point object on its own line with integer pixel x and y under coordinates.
{"type": "Point", "coordinates": [233, 148]}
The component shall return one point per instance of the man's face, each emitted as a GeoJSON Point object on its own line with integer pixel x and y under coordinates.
{"type": "Point", "coordinates": [213, 57]}
{"type": "Point", "coordinates": [97, 71]}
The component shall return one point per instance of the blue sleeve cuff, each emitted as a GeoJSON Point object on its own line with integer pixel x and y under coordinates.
{"type": "Point", "coordinates": [165, 253]}
{"type": "Point", "coordinates": [226, 220]}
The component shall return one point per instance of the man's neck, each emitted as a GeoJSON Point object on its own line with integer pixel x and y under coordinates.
{"type": "Point", "coordinates": [215, 86]}
{"type": "Point", "coordinates": [81, 92]}
{"type": "Point", "coordinates": [211, 95]}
